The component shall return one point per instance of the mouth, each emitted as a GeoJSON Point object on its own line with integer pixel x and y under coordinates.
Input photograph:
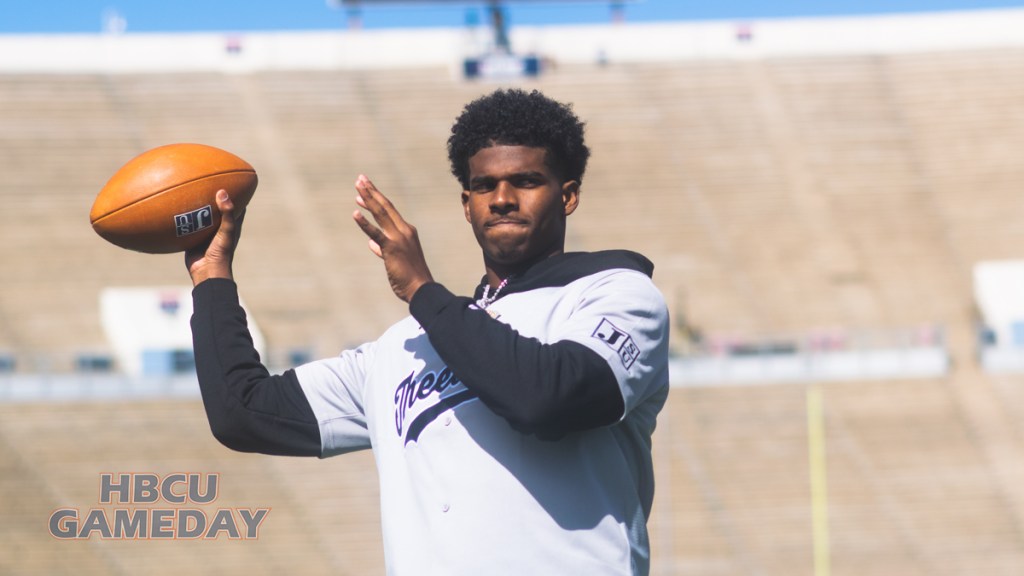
{"type": "Point", "coordinates": [505, 222]}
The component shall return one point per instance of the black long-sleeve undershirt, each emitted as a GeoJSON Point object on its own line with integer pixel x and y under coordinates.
{"type": "Point", "coordinates": [545, 389]}
{"type": "Point", "coordinates": [249, 409]}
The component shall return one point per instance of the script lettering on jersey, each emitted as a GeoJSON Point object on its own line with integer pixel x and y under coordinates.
{"type": "Point", "coordinates": [411, 391]}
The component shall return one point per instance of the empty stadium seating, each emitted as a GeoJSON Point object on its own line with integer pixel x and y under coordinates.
{"type": "Point", "coordinates": [777, 195]}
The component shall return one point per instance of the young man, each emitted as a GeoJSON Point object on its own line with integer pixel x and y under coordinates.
{"type": "Point", "coordinates": [512, 430]}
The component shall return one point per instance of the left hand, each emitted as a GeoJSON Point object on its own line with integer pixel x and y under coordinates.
{"type": "Point", "coordinates": [393, 239]}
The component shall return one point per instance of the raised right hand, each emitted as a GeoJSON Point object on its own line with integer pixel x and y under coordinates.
{"type": "Point", "coordinates": [213, 259]}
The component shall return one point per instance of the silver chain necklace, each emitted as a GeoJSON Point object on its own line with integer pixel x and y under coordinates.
{"type": "Point", "coordinates": [487, 299]}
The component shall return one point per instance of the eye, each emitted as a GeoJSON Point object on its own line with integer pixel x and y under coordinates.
{"type": "Point", "coordinates": [481, 186]}
{"type": "Point", "coordinates": [527, 182]}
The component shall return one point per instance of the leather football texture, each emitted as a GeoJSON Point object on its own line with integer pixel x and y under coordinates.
{"type": "Point", "coordinates": [163, 200]}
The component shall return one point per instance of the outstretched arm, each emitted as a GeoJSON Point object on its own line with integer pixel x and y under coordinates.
{"type": "Point", "coordinates": [249, 410]}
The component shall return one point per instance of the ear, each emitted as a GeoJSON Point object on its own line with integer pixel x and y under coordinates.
{"type": "Point", "coordinates": [570, 196]}
{"type": "Point", "coordinates": [465, 205]}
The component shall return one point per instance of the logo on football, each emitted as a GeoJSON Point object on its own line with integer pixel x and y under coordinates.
{"type": "Point", "coordinates": [194, 221]}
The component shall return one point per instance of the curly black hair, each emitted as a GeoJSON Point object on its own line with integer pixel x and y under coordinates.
{"type": "Point", "coordinates": [514, 117]}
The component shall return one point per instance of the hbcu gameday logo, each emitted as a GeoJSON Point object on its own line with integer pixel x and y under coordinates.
{"type": "Point", "coordinates": [157, 523]}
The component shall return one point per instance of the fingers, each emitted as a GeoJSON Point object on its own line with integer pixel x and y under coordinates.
{"type": "Point", "coordinates": [213, 259]}
{"type": "Point", "coordinates": [224, 202]}
{"type": "Point", "coordinates": [227, 216]}
{"type": "Point", "coordinates": [388, 219]}
{"type": "Point", "coordinates": [392, 239]}
{"type": "Point", "coordinates": [376, 235]}
{"type": "Point", "coordinates": [375, 248]}
{"type": "Point", "coordinates": [382, 210]}
{"type": "Point", "coordinates": [230, 221]}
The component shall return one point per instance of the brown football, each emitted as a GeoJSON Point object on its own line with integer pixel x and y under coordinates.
{"type": "Point", "coordinates": [162, 200]}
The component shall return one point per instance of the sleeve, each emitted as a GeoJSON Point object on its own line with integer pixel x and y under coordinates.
{"type": "Point", "coordinates": [624, 320]}
{"type": "Point", "coordinates": [584, 378]}
{"type": "Point", "coordinates": [249, 410]}
{"type": "Point", "coordinates": [334, 388]}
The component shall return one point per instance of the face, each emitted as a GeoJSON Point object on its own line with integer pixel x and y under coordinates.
{"type": "Point", "coordinates": [517, 207]}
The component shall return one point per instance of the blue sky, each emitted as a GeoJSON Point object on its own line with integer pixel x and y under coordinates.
{"type": "Point", "coordinates": [28, 16]}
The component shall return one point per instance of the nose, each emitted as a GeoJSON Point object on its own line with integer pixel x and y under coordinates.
{"type": "Point", "coordinates": [505, 198]}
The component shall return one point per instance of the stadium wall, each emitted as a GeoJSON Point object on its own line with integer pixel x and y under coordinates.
{"type": "Point", "coordinates": [363, 49]}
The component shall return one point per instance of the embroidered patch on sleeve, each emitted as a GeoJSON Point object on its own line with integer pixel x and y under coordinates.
{"type": "Point", "coordinates": [617, 340]}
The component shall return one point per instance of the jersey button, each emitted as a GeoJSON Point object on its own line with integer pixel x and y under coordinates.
{"type": "Point", "coordinates": [445, 507]}
{"type": "Point", "coordinates": [447, 420]}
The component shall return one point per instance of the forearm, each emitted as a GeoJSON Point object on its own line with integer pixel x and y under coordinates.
{"type": "Point", "coordinates": [249, 410]}
{"type": "Point", "coordinates": [548, 389]}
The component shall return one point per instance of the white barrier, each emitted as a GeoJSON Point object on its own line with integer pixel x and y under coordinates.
{"type": "Point", "coordinates": [15, 388]}
{"type": "Point", "coordinates": [801, 367]}
{"type": "Point", "coordinates": [447, 47]}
